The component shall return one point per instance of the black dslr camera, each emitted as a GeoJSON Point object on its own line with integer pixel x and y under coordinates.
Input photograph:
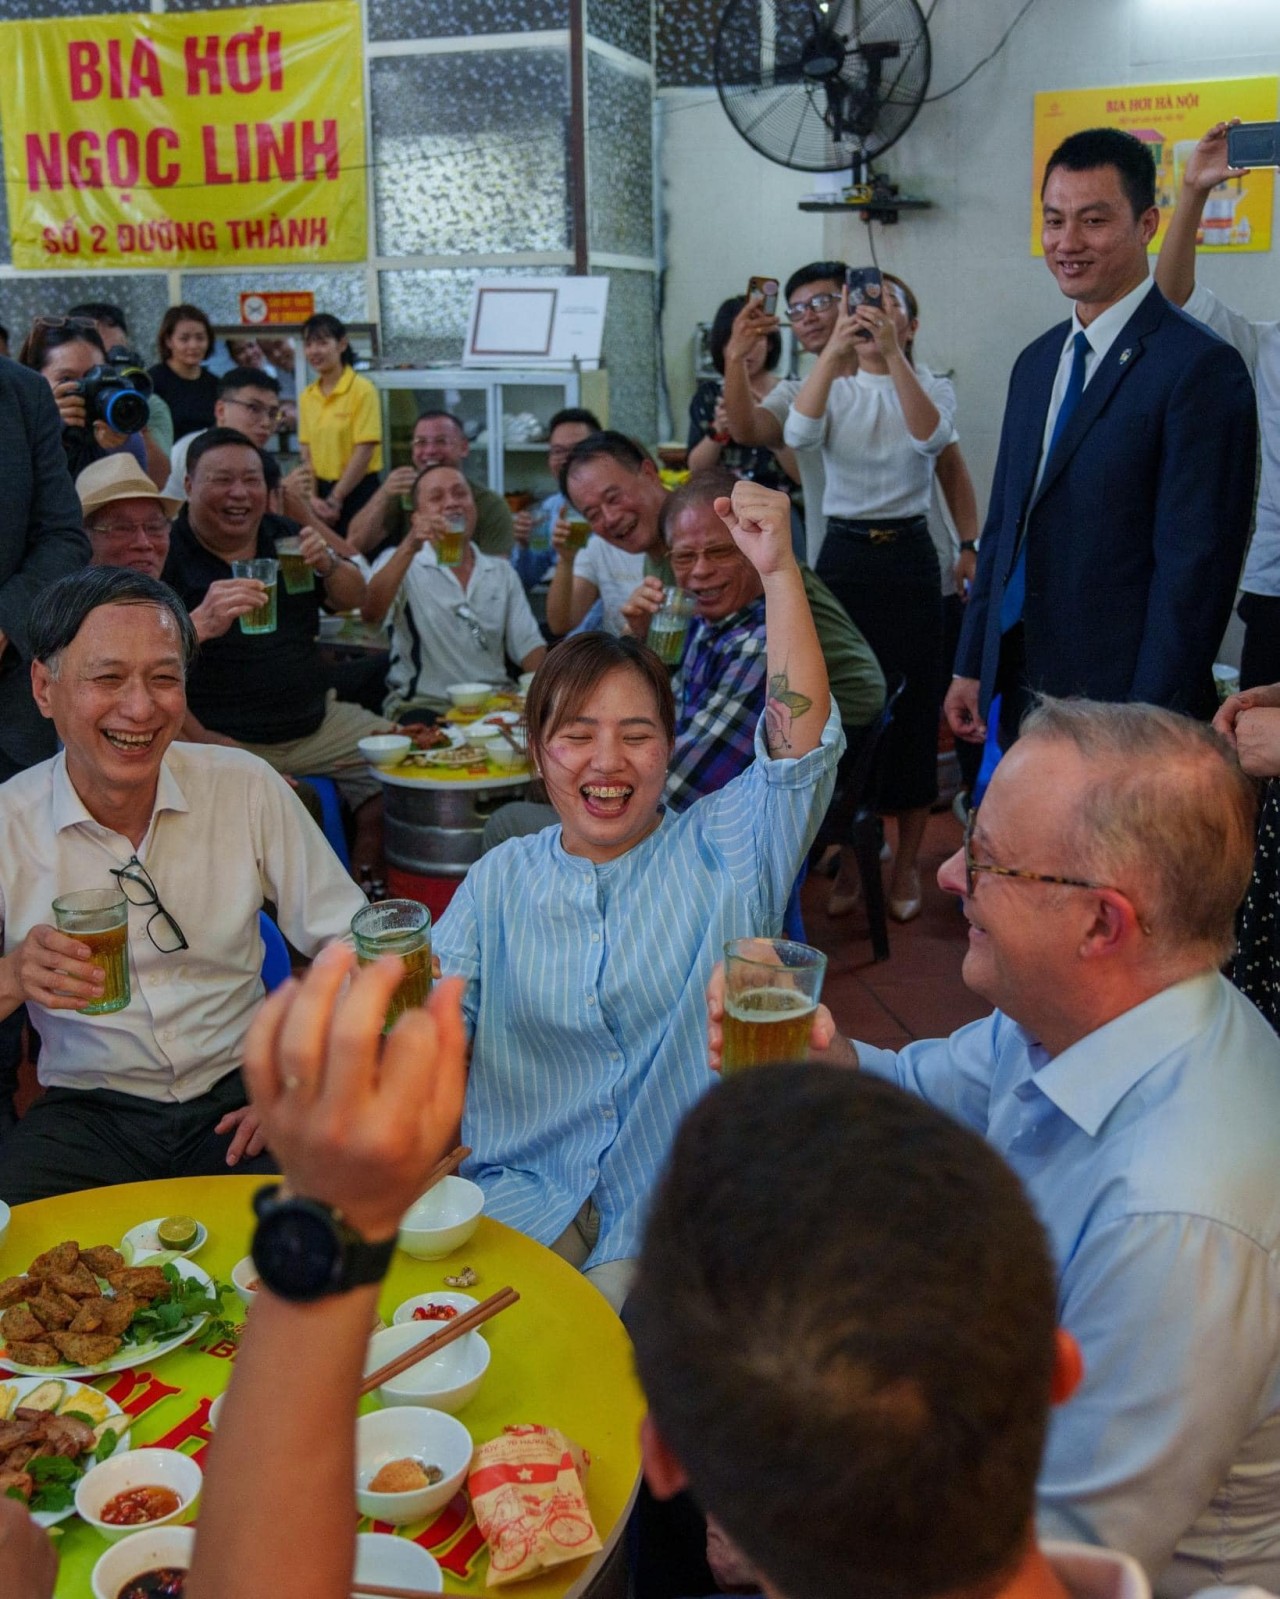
{"type": "Point", "coordinates": [116, 392]}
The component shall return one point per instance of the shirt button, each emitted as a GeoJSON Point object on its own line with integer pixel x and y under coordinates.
{"type": "Point", "coordinates": [615, 1054]}
{"type": "Point", "coordinates": [595, 938]}
{"type": "Point", "coordinates": [591, 999]}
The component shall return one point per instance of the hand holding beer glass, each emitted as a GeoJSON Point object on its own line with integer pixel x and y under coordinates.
{"type": "Point", "coordinates": [397, 927]}
{"type": "Point", "coordinates": [98, 920]}
{"type": "Point", "coordinates": [771, 988]}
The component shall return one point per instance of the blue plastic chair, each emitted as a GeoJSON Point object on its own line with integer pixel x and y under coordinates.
{"type": "Point", "coordinates": [331, 815]}
{"type": "Point", "coordinates": [276, 965]}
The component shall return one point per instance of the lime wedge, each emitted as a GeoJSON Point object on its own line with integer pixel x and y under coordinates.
{"type": "Point", "coordinates": [178, 1232]}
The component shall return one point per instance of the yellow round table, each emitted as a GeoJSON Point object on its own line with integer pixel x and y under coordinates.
{"type": "Point", "coordinates": [560, 1357]}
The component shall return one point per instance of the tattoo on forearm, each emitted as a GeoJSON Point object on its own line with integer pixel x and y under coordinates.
{"type": "Point", "coordinates": [782, 707]}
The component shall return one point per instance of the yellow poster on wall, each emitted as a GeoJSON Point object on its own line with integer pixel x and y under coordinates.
{"type": "Point", "coordinates": [1170, 118]}
{"type": "Point", "coordinates": [198, 138]}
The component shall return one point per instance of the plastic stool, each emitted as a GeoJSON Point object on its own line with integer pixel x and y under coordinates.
{"type": "Point", "coordinates": [331, 813]}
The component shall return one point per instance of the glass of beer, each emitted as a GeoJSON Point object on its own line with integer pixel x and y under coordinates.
{"type": "Point", "coordinates": [262, 619]}
{"type": "Point", "coordinates": [397, 927]}
{"type": "Point", "coordinates": [449, 544]}
{"type": "Point", "coordinates": [771, 990]}
{"type": "Point", "coordinates": [670, 624]}
{"type": "Point", "coordinates": [539, 529]}
{"type": "Point", "coordinates": [99, 917]}
{"type": "Point", "coordinates": [579, 532]}
{"type": "Point", "coordinates": [298, 577]}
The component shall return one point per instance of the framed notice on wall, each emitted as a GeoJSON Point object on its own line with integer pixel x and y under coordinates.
{"type": "Point", "coordinates": [536, 322]}
{"type": "Point", "coordinates": [1170, 118]}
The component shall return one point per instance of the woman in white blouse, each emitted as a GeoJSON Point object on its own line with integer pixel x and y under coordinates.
{"type": "Point", "coordinates": [881, 423]}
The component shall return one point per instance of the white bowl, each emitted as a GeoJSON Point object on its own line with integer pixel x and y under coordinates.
{"type": "Point", "coordinates": [243, 1273]}
{"type": "Point", "coordinates": [511, 758]}
{"type": "Point", "coordinates": [426, 1435]}
{"type": "Point", "coordinates": [391, 1562]}
{"type": "Point", "coordinates": [385, 749]}
{"type": "Point", "coordinates": [459, 1302]}
{"type": "Point", "coordinates": [442, 1220]}
{"type": "Point", "coordinates": [147, 1550]}
{"type": "Point", "coordinates": [468, 696]}
{"type": "Point", "coordinates": [215, 1412]}
{"type": "Point", "coordinates": [486, 734]}
{"type": "Point", "coordinates": [330, 627]}
{"type": "Point", "coordinates": [446, 1380]}
{"type": "Point", "coordinates": [137, 1468]}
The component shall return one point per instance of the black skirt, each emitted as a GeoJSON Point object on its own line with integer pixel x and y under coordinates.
{"type": "Point", "coordinates": [891, 586]}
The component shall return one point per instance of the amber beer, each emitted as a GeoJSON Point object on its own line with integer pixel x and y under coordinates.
{"type": "Point", "coordinates": [99, 919]}
{"type": "Point", "coordinates": [772, 986]}
{"type": "Point", "coordinates": [579, 532]}
{"type": "Point", "coordinates": [298, 577]}
{"type": "Point", "coordinates": [262, 619]}
{"type": "Point", "coordinates": [765, 1025]}
{"type": "Point", "coordinates": [397, 927]}
{"type": "Point", "coordinates": [450, 543]}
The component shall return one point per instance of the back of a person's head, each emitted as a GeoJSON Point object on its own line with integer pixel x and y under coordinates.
{"type": "Point", "coordinates": [1110, 147]}
{"type": "Point", "coordinates": [844, 1322]}
{"type": "Point", "coordinates": [815, 272]}
{"type": "Point", "coordinates": [236, 378]}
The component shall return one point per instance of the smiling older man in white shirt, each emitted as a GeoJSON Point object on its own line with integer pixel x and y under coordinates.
{"type": "Point", "coordinates": [196, 837]}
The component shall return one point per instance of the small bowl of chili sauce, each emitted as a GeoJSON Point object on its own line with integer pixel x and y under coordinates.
{"type": "Point", "coordinates": [136, 1489]}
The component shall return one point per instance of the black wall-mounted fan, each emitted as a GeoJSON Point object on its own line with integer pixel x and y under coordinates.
{"type": "Point", "coordinates": [821, 85]}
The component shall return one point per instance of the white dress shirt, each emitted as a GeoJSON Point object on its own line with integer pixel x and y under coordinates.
{"type": "Point", "coordinates": [813, 474]}
{"type": "Point", "coordinates": [442, 633]}
{"type": "Point", "coordinates": [874, 465]}
{"type": "Point", "coordinates": [1259, 344]}
{"type": "Point", "coordinates": [225, 834]}
{"type": "Point", "coordinates": [1101, 333]}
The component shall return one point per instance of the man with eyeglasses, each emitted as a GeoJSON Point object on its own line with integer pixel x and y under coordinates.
{"type": "Point", "coordinates": [128, 522]}
{"type": "Point", "coordinates": [449, 624]}
{"type": "Point", "coordinates": [248, 401]}
{"type": "Point", "coordinates": [196, 837]}
{"type": "Point", "coordinates": [1137, 1095]}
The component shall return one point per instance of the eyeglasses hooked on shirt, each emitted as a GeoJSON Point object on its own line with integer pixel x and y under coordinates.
{"type": "Point", "coordinates": [464, 613]}
{"type": "Point", "coordinates": [137, 887]}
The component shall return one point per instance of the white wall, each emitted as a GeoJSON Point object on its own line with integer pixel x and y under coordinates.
{"type": "Point", "coordinates": [983, 295]}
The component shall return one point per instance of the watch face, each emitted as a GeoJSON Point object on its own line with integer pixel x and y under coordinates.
{"type": "Point", "coordinates": [297, 1252]}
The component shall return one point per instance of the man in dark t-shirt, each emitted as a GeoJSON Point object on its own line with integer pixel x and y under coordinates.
{"type": "Point", "coordinates": [266, 691]}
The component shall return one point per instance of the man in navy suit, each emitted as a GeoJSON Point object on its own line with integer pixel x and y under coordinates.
{"type": "Point", "coordinates": [1124, 483]}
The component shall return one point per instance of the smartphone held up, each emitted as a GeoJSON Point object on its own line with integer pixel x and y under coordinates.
{"type": "Point", "coordinates": [864, 286]}
{"type": "Point", "coordinates": [766, 291]}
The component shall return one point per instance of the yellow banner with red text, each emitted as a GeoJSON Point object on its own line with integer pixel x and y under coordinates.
{"type": "Point", "coordinates": [197, 138]}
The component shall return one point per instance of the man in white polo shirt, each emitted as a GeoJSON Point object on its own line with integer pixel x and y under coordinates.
{"type": "Point", "coordinates": [449, 624]}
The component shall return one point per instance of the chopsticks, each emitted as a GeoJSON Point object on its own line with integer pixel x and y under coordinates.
{"type": "Point", "coordinates": [446, 1167]}
{"type": "Point", "coordinates": [361, 1588]}
{"type": "Point", "coordinates": [457, 1328]}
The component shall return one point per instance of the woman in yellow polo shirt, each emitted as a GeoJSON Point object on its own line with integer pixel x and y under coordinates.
{"type": "Point", "coordinates": [339, 425]}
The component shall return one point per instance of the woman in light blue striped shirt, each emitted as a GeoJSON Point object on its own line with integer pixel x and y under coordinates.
{"type": "Point", "coordinates": [586, 947]}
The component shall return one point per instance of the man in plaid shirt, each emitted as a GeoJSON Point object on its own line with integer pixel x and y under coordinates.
{"type": "Point", "coordinates": [720, 685]}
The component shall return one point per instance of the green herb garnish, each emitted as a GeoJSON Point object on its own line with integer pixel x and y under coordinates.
{"type": "Point", "coordinates": [188, 1299]}
{"type": "Point", "coordinates": [106, 1445]}
{"type": "Point", "coordinates": [54, 1477]}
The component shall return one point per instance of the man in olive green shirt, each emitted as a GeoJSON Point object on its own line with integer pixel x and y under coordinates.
{"type": "Point", "coordinates": [438, 440]}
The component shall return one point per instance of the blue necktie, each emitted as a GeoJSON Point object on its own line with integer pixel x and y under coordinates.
{"type": "Point", "coordinates": [1015, 592]}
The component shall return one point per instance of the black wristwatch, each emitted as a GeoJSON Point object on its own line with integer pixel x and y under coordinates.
{"type": "Point", "coordinates": [968, 546]}
{"type": "Point", "coordinates": [303, 1249]}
